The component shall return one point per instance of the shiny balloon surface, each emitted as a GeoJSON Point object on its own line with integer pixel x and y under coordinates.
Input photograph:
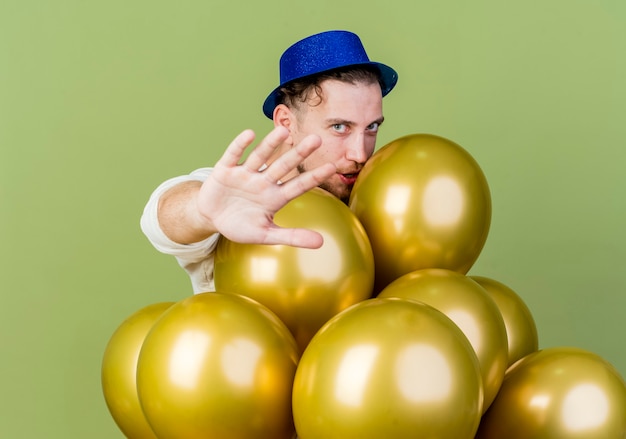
{"type": "Point", "coordinates": [119, 371]}
{"type": "Point", "coordinates": [520, 325]}
{"type": "Point", "coordinates": [218, 366]}
{"type": "Point", "coordinates": [304, 287]}
{"type": "Point", "coordinates": [388, 368]}
{"type": "Point", "coordinates": [559, 392]}
{"type": "Point", "coordinates": [425, 203]}
{"type": "Point", "coordinates": [469, 306]}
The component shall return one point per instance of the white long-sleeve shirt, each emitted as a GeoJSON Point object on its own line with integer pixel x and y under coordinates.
{"type": "Point", "coordinates": [197, 258]}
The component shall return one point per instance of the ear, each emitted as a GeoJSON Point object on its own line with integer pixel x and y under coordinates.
{"type": "Point", "coordinates": [283, 116]}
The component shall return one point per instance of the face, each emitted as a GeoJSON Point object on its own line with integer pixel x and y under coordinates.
{"type": "Point", "coordinates": [347, 120]}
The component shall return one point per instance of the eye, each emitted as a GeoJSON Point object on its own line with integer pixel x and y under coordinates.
{"type": "Point", "coordinates": [373, 127]}
{"type": "Point", "coordinates": [340, 127]}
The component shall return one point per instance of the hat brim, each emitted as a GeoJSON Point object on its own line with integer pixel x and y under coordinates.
{"type": "Point", "coordinates": [388, 80]}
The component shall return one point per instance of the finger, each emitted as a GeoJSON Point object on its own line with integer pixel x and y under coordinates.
{"type": "Point", "coordinates": [292, 158]}
{"type": "Point", "coordinates": [303, 238]}
{"type": "Point", "coordinates": [307, 181]}
{"type": "Point", "coordinates": [233, 153]}
{"type": "Point", "coordinates": [266, 148]}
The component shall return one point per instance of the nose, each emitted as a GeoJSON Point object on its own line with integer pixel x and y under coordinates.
{"type": "Point", "coordinates": [357, 149]}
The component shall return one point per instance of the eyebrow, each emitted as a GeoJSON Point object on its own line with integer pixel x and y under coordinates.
{"type": "Point", "coordinates": [332, 121]}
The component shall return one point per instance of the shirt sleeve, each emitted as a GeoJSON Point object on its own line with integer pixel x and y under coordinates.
{"type": "Point", "coordinates": [197, 258]}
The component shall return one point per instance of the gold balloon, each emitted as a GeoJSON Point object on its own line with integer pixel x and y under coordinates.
{"type": "Point", "coordinates": [520, 326]}
{"type": "Point", "coordinates": [424, 203]}
{"type": "Point", "coordinates": [468, 305]}
{"type": "Point", "coordinates": [304, 287]}
{"type": "Point", "coordinates": [218, 366]}
{"type": "Point", "coordinates": [119, 369]}
{"type": "Point", "coordinates": [559, 392]}
{"type": "Point", "coordinates": [388, 368]}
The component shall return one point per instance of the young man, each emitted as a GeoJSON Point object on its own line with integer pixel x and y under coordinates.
{"type": "Point", "coordinates": [326, 112]}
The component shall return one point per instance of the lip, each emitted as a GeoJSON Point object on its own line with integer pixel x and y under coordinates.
{"type": "Point", "coordinates": [349, 178]}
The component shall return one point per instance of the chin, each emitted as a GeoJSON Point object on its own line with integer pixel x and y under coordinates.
{"type": "Point", "coordinates": [343, 193]}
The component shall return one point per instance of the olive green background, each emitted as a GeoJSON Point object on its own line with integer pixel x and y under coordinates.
{"type": "Point", "coordinates": [101, 101]}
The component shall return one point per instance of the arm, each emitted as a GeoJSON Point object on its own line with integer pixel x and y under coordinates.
{"type": "Point", "coordinates": [238, 201]}
{"type": "Point", "coordinates": [177, 216]}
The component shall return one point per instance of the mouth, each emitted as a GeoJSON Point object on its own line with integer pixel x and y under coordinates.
{"type": "Point", "coordinates": [349, 178]}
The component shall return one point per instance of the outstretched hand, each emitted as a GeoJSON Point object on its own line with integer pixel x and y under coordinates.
{"type": "Point", "coordinates": [240, 201]}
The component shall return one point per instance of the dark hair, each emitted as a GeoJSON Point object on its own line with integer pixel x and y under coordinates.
{"type": "Point", "coordinates": [297, 92]}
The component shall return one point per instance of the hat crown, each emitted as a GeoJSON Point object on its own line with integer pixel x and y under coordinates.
{"type": "Point", "coordinates": [321, 52]}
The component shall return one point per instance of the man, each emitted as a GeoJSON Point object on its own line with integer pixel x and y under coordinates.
{"type": "Point", "coordinates": [326, 112]}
